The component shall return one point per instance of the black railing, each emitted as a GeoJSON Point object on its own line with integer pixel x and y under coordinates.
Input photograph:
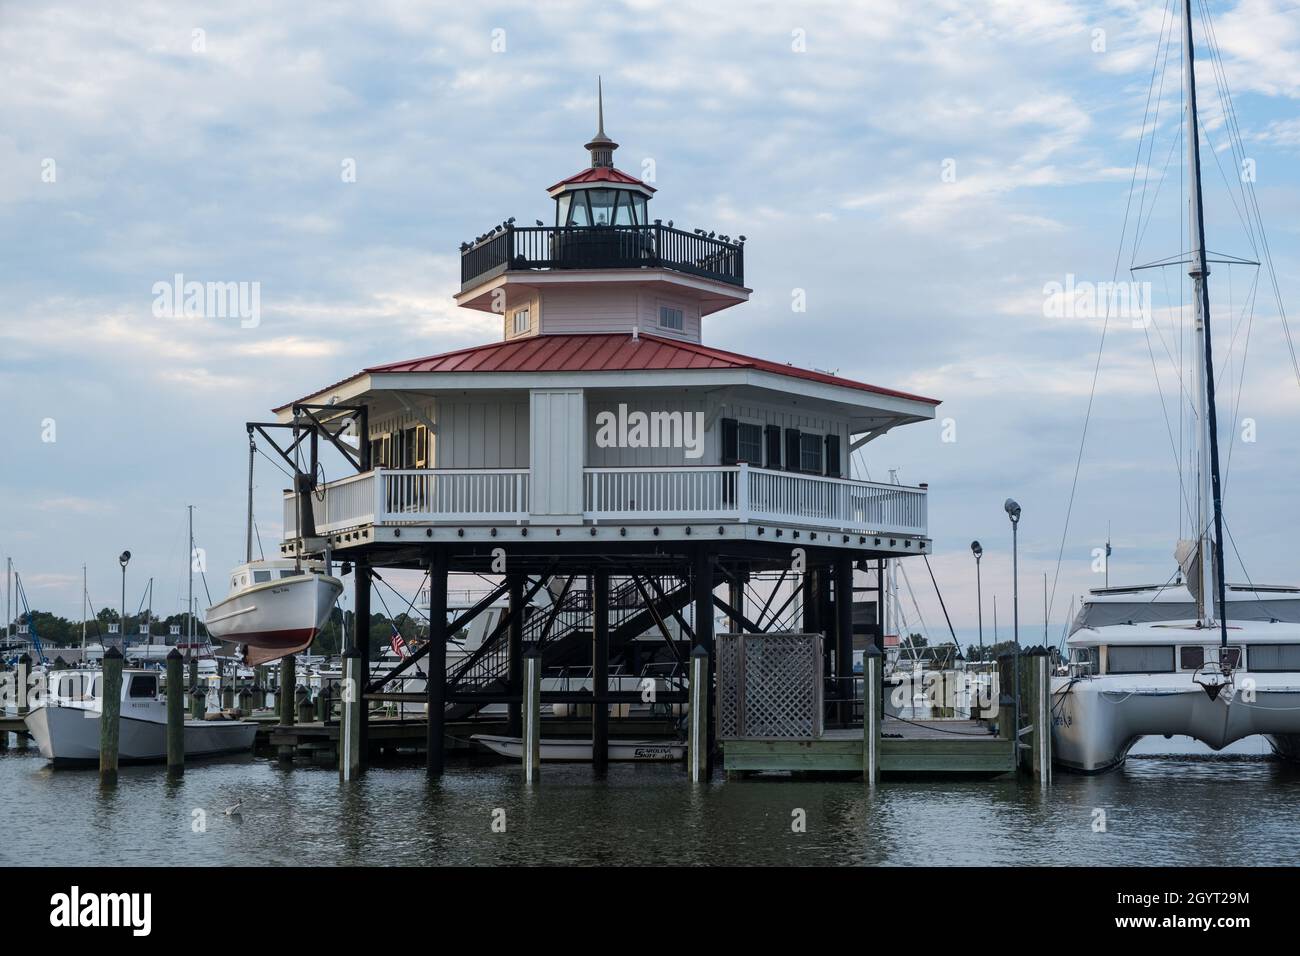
{"type": "Point", "coordinates": [603, 247]}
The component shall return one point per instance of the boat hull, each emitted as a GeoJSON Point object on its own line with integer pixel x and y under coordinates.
{"type": "Point", "coordinates": [1097, 720]}
{"type": "Point", "coordinates": [277, 618]}
{"type": "Point", "coordinates": [557, 750]}
{"type": "Point", "coordinates": [70, 735]}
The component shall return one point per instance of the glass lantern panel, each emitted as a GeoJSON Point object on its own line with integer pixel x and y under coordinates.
{"type": "Point", "coordinates": [602, 206]}
{"type": "Point", "coordinates": [623, 211]}
{"type": "Point", "coordinates": [562, 209]}
{"type": "Point", "coordinates": [578, 215]}
{"type": "Point", "coordinates": [640, 211]}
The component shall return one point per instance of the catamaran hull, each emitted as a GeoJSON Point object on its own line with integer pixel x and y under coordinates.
{"type": "Point", "coordinates": [1095, 722]}
{"type": "Point", "coordinates": [70, 735]}
{"type": "Point", "coordinates": [275, 619]}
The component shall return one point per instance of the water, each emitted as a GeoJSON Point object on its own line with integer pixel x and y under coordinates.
{"type": "Point", "coordinates": [1166, 810]}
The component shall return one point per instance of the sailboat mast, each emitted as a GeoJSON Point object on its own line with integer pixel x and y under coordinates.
{"type": "Point", "coordinates": [83, 614]}
{"type": "Point", "coordinates": [189, 609]}
{"type": "Point", "coordinates": [1209, 494]}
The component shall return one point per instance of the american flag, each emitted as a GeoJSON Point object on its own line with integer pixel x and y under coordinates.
{"type": "Point", "coordinates": [398, 644]}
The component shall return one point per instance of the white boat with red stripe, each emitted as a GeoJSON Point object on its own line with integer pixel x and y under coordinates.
{"type": "Point", "coordinates": [276, 607]}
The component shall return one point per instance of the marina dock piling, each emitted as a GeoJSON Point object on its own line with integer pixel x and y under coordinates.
{"type": "Point", "coordinates": [22, 692]}
{"type": "Point", "coordinates": [532, 715]}
{"type": "Point", "coordinates": [871, 710]}
{"type": "Point", "coordinates": [600, 670]}
{"type": "Point", "coordinates": [285, 688]}
{"type": "Point", "coordinates": [354, 677]}
{"type": "Point", "coordinates": [109, 716]}
{"type": "Point", "coordinates": [697, 739]}
{"type": "Point", "coordinates": [515, 650]}
{"type": "Point", "coordinates": [436, 684]}
{"type": "Point", "coordinates": [1039, 702]}
{"type": "Point", "coordinates": [175, 713]}
{"type": "Point", "coordinates": [306, 709]}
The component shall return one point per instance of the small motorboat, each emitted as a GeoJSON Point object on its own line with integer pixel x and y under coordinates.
{"type": "Point", "coordinates": [65, 725]}
{"type": "Point", "coordinates": [276, 608]}
{"type": "Point", "coordinates": [558, 749]}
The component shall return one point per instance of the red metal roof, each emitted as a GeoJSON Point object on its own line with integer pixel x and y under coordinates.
{"type": "Point", "coordinates": [613, 352]}
{"type": "Point", "coordinates": [602, 174]}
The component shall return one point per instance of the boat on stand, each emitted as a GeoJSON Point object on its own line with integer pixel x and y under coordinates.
{"type": "Point", "coordinates": [1195, 656]}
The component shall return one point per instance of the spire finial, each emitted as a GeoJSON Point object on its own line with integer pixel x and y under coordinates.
{"type": "Point", "coordinates": [601, 146]}
{"type": "Point", "coordinates": [600, 108]}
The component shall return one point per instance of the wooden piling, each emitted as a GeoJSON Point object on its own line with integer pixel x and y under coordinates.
{"type": "Point", "coordinates": [24, 677]}
{"type": "Point", "coordinates": [354, 676]}
{"type": "Point", "coordinates": [515, 651]}
{"type": "Point", "coordinates": [228, 697]}
{"type": "Point", "coordinates": [844, 636]}
{"type": "Point", "coordinates": [109, 716]}
{"type": "Point", "coordinates": [600, 670]}
{"type": "Point", "coordinates": [23, 692]}
{"type": "Point", "coordinates": [697, 737]}
{"type": "Point", "coordinates": [436, 684]}
{"type": "Point", "coordinates": [306, 709]}
{"type": "Point", "coordinates": [285, 688]}
{"type": "Point", "coordinates": [532, 715]}
{"type": "Point", "coordinates": [1039, 700]}
{"type": "Point", "coordinates": [245, 702]}
{"type": "Point", "coordinates": [703, 582]}
{"type": "Point", "coordinates": [175, 713]}
{"type": "Point", "coordinates": [872, 709]}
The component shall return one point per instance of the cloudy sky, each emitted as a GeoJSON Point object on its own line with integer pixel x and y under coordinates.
{"type": "Point", "coordinates": [923, 170]}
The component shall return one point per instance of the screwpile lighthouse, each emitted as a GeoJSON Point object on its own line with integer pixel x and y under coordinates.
{"type": "Point", "coordinates": [619, 467]}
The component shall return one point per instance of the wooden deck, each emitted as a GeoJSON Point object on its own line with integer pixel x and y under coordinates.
{"type": "Point", "coordinates": [927, 746]}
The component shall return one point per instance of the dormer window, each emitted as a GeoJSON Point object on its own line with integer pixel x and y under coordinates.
{"type": "Point", "coordinates": [522, 321]}
{"type": "Point", "coordinates": [670, 318]}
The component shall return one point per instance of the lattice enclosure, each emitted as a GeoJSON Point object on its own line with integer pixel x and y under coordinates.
{"type": "Point", "coordinates": [769, 686]}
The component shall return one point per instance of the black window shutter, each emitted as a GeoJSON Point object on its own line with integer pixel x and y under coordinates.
{"type": "Point", "coordinates": [730, 441]}
{"type": "Point", "coordinates": [833, 456]}
{"type": "Point", "coordinates": [792, 449]}
{"type": "Point", "coordinates": [772, 436]}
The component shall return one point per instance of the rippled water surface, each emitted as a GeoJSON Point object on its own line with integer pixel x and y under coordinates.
{"type": "Point", "coordinates": [1157, 810]}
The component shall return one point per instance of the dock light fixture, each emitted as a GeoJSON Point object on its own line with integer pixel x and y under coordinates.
{"type": "Point", "coordinates": [1012, 508]}
{"type": "Point", "coordinates": [123, 559]}
{"type": "Point", "coordinates": [978, 550]}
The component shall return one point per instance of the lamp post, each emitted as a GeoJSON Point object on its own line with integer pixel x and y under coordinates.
{"type": "Point", "coordinates": [123, 559]}
{"type": "Point", "coordinates": [977, 550]}
{"type": "Point", "coordinates": [1013, 512]}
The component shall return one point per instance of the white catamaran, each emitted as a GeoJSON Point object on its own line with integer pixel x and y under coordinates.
{"type": "Point", "coordinates": [1199, 657]}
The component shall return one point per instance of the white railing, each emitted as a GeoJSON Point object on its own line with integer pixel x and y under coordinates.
{"type": "Point", "coordinates": [837, 503]}
{"type": "Point", "coordinates": [663, 493]}
{"type": "Point", "coordinates": [735, 493]}
{"type": "Point", "coordinates": [335, 506]}
{"type": "Point", "coordinates": [742, 493]}
{"type": "Point", "coordinates": [417, 496]}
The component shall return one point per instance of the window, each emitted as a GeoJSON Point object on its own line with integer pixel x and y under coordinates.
{"type": "Point", "coordinates": [1274, 657]}
{"type": "Point", "coordinates": [522, 321]}
{"type": "Point", "coordinates": [810, 453]}
{"type": "Point", "coordinates": [1230, 655]}
{"type": "Point", "coordinates": [670, 318]}
{"type": "Point", "coordinates": [1191, 658]}
{"type": "Point", "coordinates": [749, 443]}
{"type": "Point", "coordinates": [602, 206]}
{"type": "Point", "coordinates": [1148, 659]}
{"type": "Point", "coordinates": [287, 572]}
{"type": "Point", "coordinates": [143, 686]}
{"type": "Point", "coordinates": [261, 576]}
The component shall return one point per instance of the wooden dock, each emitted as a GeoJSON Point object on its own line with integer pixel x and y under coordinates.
{"type": "Point", "coordinates": [926, 746]}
